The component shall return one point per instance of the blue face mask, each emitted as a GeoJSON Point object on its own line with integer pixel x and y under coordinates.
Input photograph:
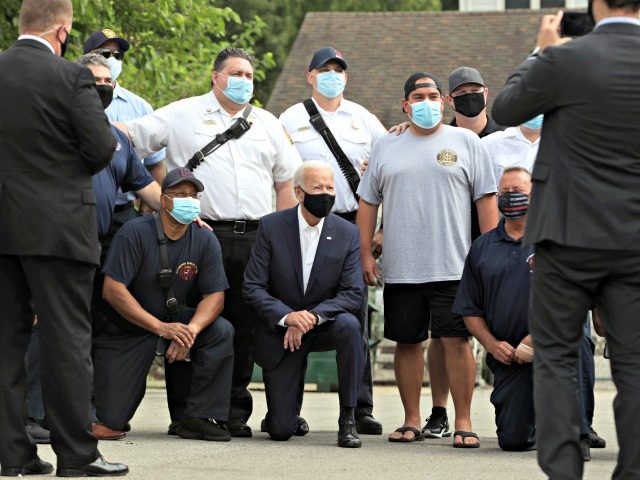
{"type": "Point", "coordinates": [426, 114]}
{"type": "Point", "coordinates": [535, 123]}
{"type": "Point", "coordinates": [239, 90]}
{"type": "Point", "coordinates": [115, 66]}
{"type": "Point", "coordinates": [330, 84]}
{"type": "Point", "coordinates": [185, 210]}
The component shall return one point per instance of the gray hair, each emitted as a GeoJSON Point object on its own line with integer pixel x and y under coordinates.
{"type": "Point", "coordinates": [298, 176]}
{"type": "Point", "coordinates": [92, 59]}
{"type": "Point", "coordinates": [516, 169]}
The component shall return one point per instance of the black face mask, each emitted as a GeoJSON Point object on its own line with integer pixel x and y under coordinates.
{"type": "Point", "coordinates": [106, 94]}
{"type": "Point", "coordinates": [469, 105]}
{"type": "Point", "coordinates": [63, 45]}
{"type": "Point", "coordinates": [318, 205]}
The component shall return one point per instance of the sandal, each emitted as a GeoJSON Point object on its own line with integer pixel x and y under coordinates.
{"type": "Point", "coordinates": [417, 435]}
{"type": "Point", "coordinates": [464, 435]}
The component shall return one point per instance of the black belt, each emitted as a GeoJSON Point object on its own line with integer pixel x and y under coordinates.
{"type": "Point", "coordinates": [349, 216]}
{"type": "Point", "coordinates": [123, 207]}
{"type": "Point", "coordinates": [236, 226]}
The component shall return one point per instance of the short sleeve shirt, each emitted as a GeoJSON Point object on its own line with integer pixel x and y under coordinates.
{"type": "Point", "coordinates": [354, 128]}
{"type": "Point", "coordinates": [510, 148]}
{"type": "Point", "coordinates": [495, 285]}
{"type": "Point", "coordinates": [134, 260]}
{"type": "Point", "coordinates": [125, 171]}
{"type": "Point", "coordinates": [239, 176]}
{"type": "Point", "coordinates": [427, 184]}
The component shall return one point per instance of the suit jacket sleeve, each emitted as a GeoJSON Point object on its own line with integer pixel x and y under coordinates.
{"type": "Point", "coordinates": [256, 280]}
{"type": "Point", "coordinates": [531, 90]}
{"type": "Point", "coordinates": [96, 143]}
{"type": "Point", "coordinates": [351, 287]}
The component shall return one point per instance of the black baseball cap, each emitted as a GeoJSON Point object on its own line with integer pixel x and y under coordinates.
{"type": "Point", "coordinates": [97, 39]}
{"type": "Point", "coordinates": [463, 75]}
{"type": "Point", "coordinates": [410, 85]}
{"type": "Point", "coordinates": [179, 175]}
{"type": "Point", "coordinates": [326, 54]}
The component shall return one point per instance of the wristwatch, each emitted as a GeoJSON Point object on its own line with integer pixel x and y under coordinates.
{"type": "Point", "coordinates": [315, 315]}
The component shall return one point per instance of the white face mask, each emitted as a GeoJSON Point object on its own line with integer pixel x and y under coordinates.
{"type": "Point", "coordinates": [115, 66]}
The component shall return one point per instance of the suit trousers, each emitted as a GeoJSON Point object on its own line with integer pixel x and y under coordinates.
{"type": "Point", "coordinates": [122, 364]}
{"type": "Point", "coordinates": [566, 282]}
{"type": "Point", "coordinates": [61, 293]}
{"type": "Point", "coordinates": [343, 334]}
{"type": "Point", "coordinates": [512, 398]}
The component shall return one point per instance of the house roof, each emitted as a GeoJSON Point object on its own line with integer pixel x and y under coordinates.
{"type": "Point", "coordinates": [384, 48]}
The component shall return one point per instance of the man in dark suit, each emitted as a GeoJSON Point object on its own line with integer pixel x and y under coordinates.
{"type": "Point", "coordinates": [53, 136]}
{"type": "Point", "coordinates": [584, 220]}
{"type": "Point", "coordinates": [305, 283]}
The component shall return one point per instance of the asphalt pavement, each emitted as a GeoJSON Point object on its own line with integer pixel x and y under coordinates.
{"type": "Point", "coordinates": [152, 454]}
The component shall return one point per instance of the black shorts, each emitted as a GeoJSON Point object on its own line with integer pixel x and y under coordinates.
{"type": "Point", "coordinates": [411, 310]}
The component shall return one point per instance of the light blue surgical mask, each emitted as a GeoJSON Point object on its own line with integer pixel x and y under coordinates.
{"type": "Point", "coordinates": [331, 83]}
{"type": "Point", "coordinates": [426, 114]}
{"type": "Point", "coordinates": [185, 210]}
{"type": "Point", "coordinates": [239, 90]}
{"type": "Point", "coordinates": [115, 66]}
{"type": "Point", "coordinates": [535, 123]}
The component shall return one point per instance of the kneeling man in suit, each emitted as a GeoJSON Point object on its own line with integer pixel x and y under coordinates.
{"type": "Point", "coordinates": [305, 283]}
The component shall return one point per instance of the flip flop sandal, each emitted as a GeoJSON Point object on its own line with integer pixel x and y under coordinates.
{"type": "Point", "coordinates": [417, 435]}
{"type": "Point", "coordinates": [464, 435]}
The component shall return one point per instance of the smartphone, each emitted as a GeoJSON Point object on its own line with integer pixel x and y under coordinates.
{"type": "Point", "coordinates": [575, 24]}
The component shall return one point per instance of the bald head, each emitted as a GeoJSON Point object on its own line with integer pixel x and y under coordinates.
{"type": "Point", "coordinates": [40, 16]}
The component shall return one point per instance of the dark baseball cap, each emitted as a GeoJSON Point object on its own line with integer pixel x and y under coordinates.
{"type": "Point", "coordinates": [410, 85]}
{"type": "Point", "coordinates": [179, 175]}
{"type": "Point", "coordinates": [97, 39]}
{"type": "Point", "coordinates": [326, 54]}
{"type": "Point", "coordinates": [463, 75]}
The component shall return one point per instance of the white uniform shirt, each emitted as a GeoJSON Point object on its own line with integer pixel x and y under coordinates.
{"type": "Point", "coordinates": [510, 148]}
{"type": "Point", "coordinates": [239, 176]}
{"type": "Point", "coordinates": [354, 128]}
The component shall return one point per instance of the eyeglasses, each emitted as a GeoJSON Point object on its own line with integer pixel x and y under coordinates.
{"type": "Point", "coordinates": [106, 53]}
{"type": "Point", "coordinates": [183, 195]}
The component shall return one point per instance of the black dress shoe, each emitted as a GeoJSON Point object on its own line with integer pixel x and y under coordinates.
{"type": "Point", "coordinates": [39, 434]}
{"type": "Point", "coordinates": [585, 449]}
{"type": "Point", "coordinates": [173, 426]}
{"type": "Point", "coordinates": [595, 440]}
{"type": "Point", "coordinates": [238, 428]}
{"type": "Point", "coordinates": [348, 436]}
{"type": "Point", "coordinates": [202, 429]}
{"type": "Point", "coordinates": [367, 425]}
{"type": "Point", "coordinates": [34, 467]}
{"type": "Point", "coordinates": [98, 468]}
{"type": "Point", "coordinates": [302, 427]}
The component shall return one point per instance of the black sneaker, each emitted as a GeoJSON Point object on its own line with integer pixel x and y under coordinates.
{"type": "Point", "coordinates": [202, 429]}
{"type": "Point", "coordinates": [437, 427]}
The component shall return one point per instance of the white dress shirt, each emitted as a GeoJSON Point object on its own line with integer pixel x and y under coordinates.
{"type": "Point", "coordinates": [309, 239]}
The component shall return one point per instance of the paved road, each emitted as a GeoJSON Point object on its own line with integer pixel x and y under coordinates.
{"type": "Point", "coordinates": [151, 454]}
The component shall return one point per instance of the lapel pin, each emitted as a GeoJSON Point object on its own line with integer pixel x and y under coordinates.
{"type": "Point", "coordinates": [328, 238]}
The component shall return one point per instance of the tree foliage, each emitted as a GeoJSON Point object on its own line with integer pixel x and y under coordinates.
{"type": "Point", "coordinates": [173, 42]}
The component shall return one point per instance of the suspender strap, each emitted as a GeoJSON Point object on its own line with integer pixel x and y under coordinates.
{"type": "Point", "coordinates": [166, 273]}
{"type": "Point", "coordinates": [347, 168]}
{"type": "Point", "coordinates": [238, 128]}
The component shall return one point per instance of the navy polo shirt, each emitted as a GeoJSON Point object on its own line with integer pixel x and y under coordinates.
{"type": "Point", "coordinates": [495, 285]}
{"type": "Point", "coordinates": [125, 171]}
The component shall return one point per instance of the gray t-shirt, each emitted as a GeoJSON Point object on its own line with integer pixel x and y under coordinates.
{"type": "Point", "coordinates": [427, 184]}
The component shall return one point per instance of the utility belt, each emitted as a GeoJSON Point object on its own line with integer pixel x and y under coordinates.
{"type": "Point", "coordinates": [348, 216]}
{"type": "Point", "coordinates": [123, 207]}
{"type": "Point", "coordinates": [239, 227]}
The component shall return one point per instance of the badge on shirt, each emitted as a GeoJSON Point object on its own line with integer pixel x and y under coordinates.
{"type": "Point", "coordinates": [118, 147]}
{"type": "Point", "coordinates": [355, 124]}
{"type": "Point", "coordinates": [304, 128]}
{"type": "Point", "coordinates": [447, 157]}
{"type": "Point", "coordinates": [187, 271]}
{"type": "Point", "coordinates": [209, 121]}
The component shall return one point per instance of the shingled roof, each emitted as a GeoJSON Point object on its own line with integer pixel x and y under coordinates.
{"type": "Point", "coordinates": [384, 48]}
